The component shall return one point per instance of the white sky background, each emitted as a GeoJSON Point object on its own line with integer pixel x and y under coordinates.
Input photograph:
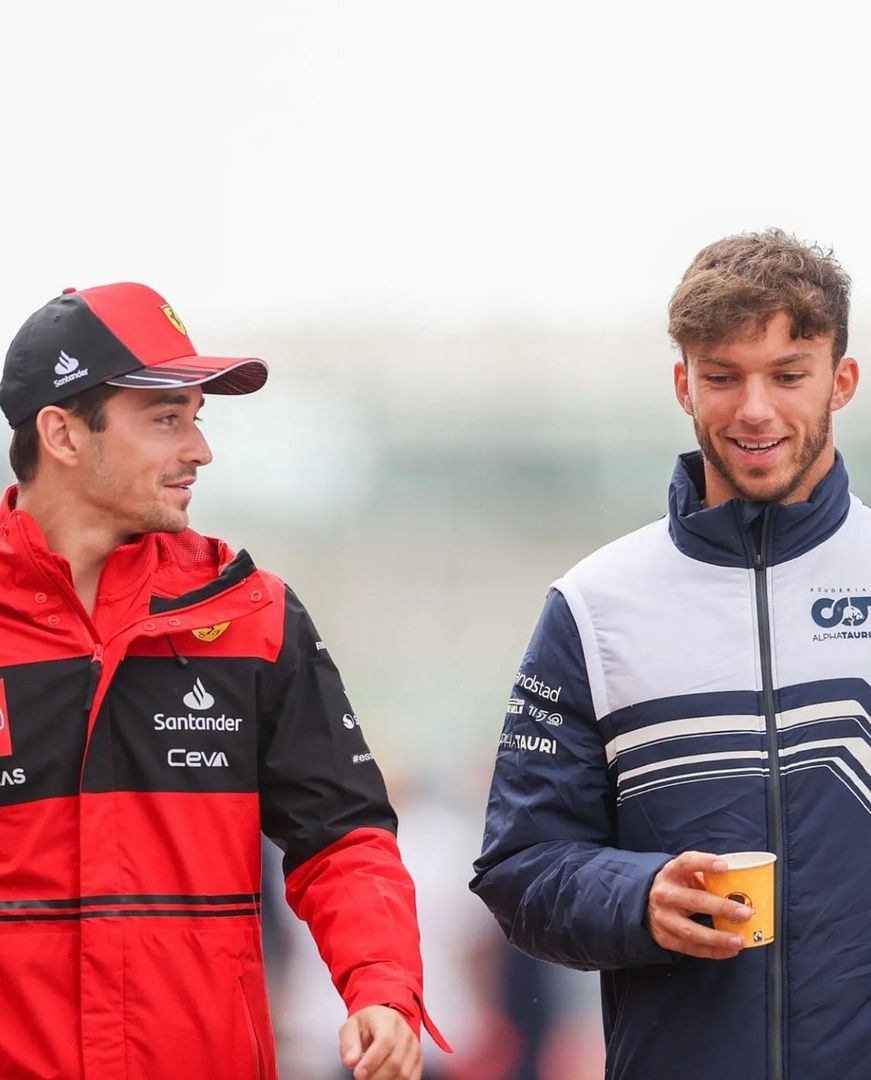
{"type": "Point", "coordinates": [395, 156]}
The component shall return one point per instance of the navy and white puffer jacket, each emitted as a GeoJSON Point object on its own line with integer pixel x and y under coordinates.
{"type": "Point", "coordinates": [701, 684]}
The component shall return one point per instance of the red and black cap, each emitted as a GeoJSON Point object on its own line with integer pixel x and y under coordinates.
{"type": "Point", "coordinates": [123, 335]}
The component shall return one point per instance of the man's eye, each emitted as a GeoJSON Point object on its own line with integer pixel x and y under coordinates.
{"type": "Point", "coordinates": [790, 377]}
{"type": "Point", "coordinates": [718, 380]}
{"type": "Point", "coordinates": [167, 418]}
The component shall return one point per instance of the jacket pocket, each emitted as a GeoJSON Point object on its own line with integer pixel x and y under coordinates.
{"type": "Point", "coordinates": [256, 1049]}
{"type": "Point", "coordinates": [618, 1025]}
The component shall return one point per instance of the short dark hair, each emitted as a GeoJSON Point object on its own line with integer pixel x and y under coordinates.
{"type": "Point", "coordinates": [89, 405]}
{"type": "Point", "coordinates": [736, 284]}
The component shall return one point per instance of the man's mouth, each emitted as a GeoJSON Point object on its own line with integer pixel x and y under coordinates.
{"type": "Point", "coordinates": [185, 482]}
{"type": "Point", "coordinates": [756, 446]}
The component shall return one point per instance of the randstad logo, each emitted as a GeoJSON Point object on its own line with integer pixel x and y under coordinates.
{"type": "Point", "coordinates": [68, 369]}
{"type": "Point", "coordinates": [845, 611]}
{"type": "Point", "coordinates": [534, 685]}
{"type": "Point", "coordinates": [199, 697]}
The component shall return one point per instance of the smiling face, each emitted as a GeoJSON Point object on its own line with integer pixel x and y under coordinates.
{"type": "Point", "coordinates": [136, 474]}
{"type": "Point", "coordinates": [761, 406]}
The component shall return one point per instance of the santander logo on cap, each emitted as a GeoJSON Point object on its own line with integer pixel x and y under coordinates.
{"type": "Point", "coordinates": [65, 364]}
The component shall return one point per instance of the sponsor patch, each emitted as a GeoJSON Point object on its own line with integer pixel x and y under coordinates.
{"type": "Point", "coordinates": [510, 740]}
{"type": "Point", "coordinates": [180, 758]}
{"type": "Point", "coordinates": [5, 734]}
{"type": "Point", "coordinates": [174, 319]}
{"type": "Point", "coordinates": [534, 685]}
{"type": "Point", "coordinates": [545, 716]}
{"type": "Point", "coordinates": [210, 633]}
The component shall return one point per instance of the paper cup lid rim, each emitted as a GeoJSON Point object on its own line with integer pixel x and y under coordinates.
{"type": "Point", "coordinates": [746, 860]}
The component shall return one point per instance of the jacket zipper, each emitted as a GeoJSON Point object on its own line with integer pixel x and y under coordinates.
{"type": "Point", "coordinates": [94, 672]}
{"type": "Point", "coordinates": [760, 571]}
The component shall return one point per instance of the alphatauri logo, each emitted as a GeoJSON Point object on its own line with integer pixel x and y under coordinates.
{"type": "Point", "coordinates": [199, 697]}
{"type": "Point", "coordinates": [845, 611]}
{"type": "Point", "coordinates": [67, 367]}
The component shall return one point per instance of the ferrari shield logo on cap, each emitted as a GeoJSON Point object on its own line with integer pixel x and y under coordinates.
{"type": "Point", "coordinates": [5, 735]}
{"type": "Point", "coordinates": [210, 633]}
{"type": "Point", "coordinates": [174, 319]}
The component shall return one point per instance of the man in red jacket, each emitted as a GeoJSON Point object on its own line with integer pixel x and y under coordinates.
{"type": "Point", "coordinates": [161, 701]}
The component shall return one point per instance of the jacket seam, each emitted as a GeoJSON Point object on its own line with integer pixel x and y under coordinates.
{"type": "Point", "coordinates": [591, 657]}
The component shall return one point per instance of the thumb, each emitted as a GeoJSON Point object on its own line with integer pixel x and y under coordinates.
{"type": "Point", "coordinates": [350, 1043]}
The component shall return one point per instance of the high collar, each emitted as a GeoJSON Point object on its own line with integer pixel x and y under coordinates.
{"type": "Point", "coordinates": [727, 535]}
{"type": "Point", "coordinates": [126, 573]}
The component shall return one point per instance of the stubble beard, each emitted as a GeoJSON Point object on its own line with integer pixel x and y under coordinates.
{"type": "Point", "coordinates": [811, 450]}
{"type": "Point", "coordinates": [110, 495]}
{"type": "Point", "coordinates": [157, 517]}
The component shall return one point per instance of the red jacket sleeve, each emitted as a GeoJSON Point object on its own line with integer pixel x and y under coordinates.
{"type": "Point", "coordinates": [358, 900]}
{"type": "Point", "coordinates": [323, 801]}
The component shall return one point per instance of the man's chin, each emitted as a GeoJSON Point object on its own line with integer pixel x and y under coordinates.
{"type": "Point", "coordinates": [174, 522]}
{"type": "Point", "coordinates": [758, 485]}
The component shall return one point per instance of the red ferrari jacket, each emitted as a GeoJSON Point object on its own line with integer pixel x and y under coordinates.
{"type": "Point", "coordinates": [142, 750]}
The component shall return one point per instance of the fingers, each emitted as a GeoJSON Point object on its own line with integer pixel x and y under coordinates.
{"type": "Point", "coordinates": [389, 1059]}
{"type": "Point", "coordinates": [378, 1044]}
{"type": "Point", "coordinates": [693, 862]}
{"type": "Point", "coordinates": [673, 929]}
{"type": "Point", "coordinates": [350, 1042]}
{"type": "Point", "coordinates": [677, 894]}
{"type": "Point", "coordinates": [693, 901]}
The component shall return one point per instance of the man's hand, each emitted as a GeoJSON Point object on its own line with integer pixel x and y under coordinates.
{"type": "Point", "coordinates": [677, 892]}
{"type": "Point", "coordinates": [378, 1044]}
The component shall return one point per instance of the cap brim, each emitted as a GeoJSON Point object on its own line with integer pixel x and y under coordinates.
{"type": "Point", "coordinates": [216, 374]}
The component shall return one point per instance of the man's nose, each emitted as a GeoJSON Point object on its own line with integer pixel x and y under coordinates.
{"type": "Point", "coordinates": [197, 451]}
{"type": "Point", "coordinates": [755, 405]}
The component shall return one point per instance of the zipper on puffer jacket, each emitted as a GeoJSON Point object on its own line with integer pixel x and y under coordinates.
{"type": "Point", "coordinates": [760, 571]}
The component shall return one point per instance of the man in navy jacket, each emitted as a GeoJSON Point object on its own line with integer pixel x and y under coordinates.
{"type": "Point", "coordinates": [699, 687]}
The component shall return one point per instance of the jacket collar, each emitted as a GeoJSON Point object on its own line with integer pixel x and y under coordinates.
{"type": "Point", "coordinates": [126, 568]}
{"type": "Point", "coordinates": [727, 535]}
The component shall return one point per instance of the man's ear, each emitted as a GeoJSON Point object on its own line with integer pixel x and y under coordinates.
{"type": "Point", "coordinates": [63, 436]}
{"type": "Point", "coordinates": [846, 380]}
{"type": "Point", "coordinates": [682, 387]}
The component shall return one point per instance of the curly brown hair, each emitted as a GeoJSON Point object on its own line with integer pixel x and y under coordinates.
{"type": "Point", "coordinates": [734, 286]}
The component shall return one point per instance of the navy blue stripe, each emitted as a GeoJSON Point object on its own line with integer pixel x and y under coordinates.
{"type": "Point", "coordinates": [732, 703]}
{"type": "Point", "coordinates": [814, 693]}
{"type": "Point", "coordinates": [681, 707]}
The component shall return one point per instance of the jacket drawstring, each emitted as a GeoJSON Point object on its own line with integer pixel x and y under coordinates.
{"type": "Point", "coordinates": [180, 660]}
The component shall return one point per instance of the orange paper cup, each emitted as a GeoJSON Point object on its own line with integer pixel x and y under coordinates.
{"type": "Point", "coordinates": [749, 880]}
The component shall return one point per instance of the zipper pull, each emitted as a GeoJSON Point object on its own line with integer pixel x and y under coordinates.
{"type": "Point", "coordinates": [95, 669]}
